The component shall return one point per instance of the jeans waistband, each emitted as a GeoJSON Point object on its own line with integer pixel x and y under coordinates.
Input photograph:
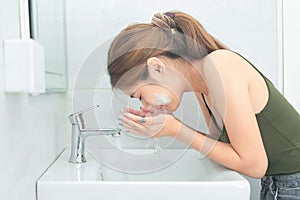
{"type": "Point", "coordinates": [290, 180]}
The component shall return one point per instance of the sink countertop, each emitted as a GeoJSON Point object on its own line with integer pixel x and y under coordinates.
{"type": "Point", "coordinates": [189, 177]}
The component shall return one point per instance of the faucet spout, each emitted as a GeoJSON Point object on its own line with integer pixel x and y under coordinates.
{"type": "Point", "coordinates": [79, 134]}
{"type": "Point", "coordinates": [106, 131]}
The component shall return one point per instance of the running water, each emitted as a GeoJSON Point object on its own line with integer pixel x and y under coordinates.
{"type": "Point", "coordinates": [121, 156]}
{"type": "Point", "coordinates": [156, 155]}
{"type": "Point", "coordinates": [117, 142]}
{"type": "Point", "coordinates": [161, 101]}
{"type": "Point", "coordinates": [157, 149]}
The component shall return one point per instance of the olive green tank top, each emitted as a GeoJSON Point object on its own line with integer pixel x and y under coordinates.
{"type": "Point", "coordinates": [279, 125]}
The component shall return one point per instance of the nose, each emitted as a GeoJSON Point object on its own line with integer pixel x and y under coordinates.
{"type": "Point", "coordinates": [145, 109]}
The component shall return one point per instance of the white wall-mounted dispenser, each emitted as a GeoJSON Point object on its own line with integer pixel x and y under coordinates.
{"type": "Point", "coordinates": [24, 66]}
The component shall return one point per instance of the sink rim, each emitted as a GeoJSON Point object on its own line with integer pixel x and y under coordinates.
{"type": "Point", "coordinates": [59, 172]}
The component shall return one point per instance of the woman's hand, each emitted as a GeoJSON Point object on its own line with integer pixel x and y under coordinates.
{"type": "Point", "coordinates": [142, 112]}
{"type": "Point", "coordinates": [139, 122]}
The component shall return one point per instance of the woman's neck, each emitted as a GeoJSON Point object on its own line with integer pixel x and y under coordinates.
{"type": "Point", "coordinates": [195, 76]}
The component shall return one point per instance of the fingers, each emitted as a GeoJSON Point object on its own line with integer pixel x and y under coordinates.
{"type": "Point", "coordinates": [155, 120]}
{"type": "Point", "coordinates": [138, 119]}
{"type": "Point", "coordinates": [133, 126]}
{"type": "Point", "coordinates": [143, 112]}
{"type": "Point", "coordinates": [145, 126]}
{"type": "Point", "coordinates": [135, 112]}
{"type": "Point", "coordinates": [143, 109]}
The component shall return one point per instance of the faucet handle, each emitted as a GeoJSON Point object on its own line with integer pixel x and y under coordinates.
{"type": "Point", "coordinates": [87, 109]}
{"type": "Point", "coordinates": [76, 118]}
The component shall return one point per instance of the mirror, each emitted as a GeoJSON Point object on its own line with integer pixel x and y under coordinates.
{"type": "Point", "coordinates": [47, 26]}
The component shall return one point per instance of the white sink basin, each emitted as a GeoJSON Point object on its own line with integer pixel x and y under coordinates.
{"type": "Point", "coordinates": [187, 178]}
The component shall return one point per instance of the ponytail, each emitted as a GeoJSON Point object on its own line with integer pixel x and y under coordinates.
{"type": "Point", "coordinates": [199, 38]}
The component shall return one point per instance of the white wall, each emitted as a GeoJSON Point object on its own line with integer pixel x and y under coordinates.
{"type": "Point", "coordinates": [32, 128]}
{"type": "Point", "coordinates": [291, 36]}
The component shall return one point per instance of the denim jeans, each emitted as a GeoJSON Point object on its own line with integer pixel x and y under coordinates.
{"type": "Point", "coordinates": [281, 187]}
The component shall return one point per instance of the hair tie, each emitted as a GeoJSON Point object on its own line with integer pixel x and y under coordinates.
{"type": "Point", "coordinates": [169, 14]}
{"type": "Point", "coordinates": [164, 20]}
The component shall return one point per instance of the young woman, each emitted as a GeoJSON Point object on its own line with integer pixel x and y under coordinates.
{"type": "Point", "coordinates": [252, 128]}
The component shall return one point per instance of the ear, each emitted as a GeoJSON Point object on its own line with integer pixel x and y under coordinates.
{"type": "Point", "coordinates": [156, 68]}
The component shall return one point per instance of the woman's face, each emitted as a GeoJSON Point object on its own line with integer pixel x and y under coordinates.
{"type": "Point", "coordinates": [163, 89]}
{"type": "Point", "coordinates": [156, 98]}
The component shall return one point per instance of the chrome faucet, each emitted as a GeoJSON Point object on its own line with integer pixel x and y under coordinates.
{"type": "Point", "coordinates": [79, 134]}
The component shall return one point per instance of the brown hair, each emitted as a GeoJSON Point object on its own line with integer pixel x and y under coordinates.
{"type": "Point", "coordinates": [172, 34]}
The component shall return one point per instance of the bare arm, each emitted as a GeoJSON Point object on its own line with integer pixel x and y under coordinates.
{"type": "Point", "coordinates": [245, 153]}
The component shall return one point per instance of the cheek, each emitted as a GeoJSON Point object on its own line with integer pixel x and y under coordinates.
{"type": "Point", "coordinates": [173, 105]}
{"type": "Point", "coordinates": [162, 99]}
{"type": "Point", "coordinates": [157, 99]}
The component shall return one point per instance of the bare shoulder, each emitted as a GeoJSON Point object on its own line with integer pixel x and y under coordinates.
{"type": "Point", "coordinates": [227, 63]}
{"type": "Point", "coordinates": [223, 57]}
{"type": "Point", "coordinates": [226, 74]}
{"type": "Point", "coordinates": [222, 54]}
